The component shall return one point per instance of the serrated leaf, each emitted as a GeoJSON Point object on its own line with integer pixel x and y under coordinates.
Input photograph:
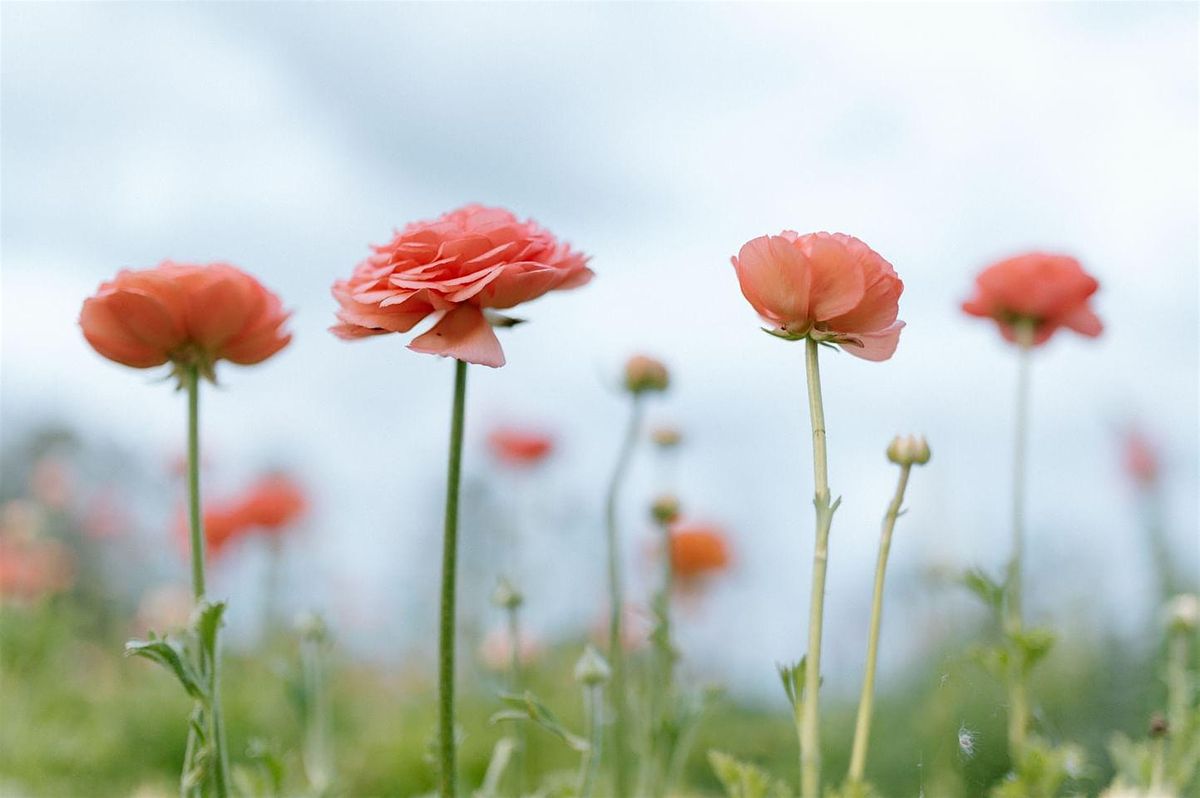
{"type": "Point", "coordinates": [792, 677]}
{"type": "Point", "coordinates": [527, 707]}
{"type": "Point", "coordinates": [743, 780]}
{"type": "Point", "coordinates": [170, 655]}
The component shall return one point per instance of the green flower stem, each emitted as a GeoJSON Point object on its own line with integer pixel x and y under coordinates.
{"type": "Point", "coordinates": [447, 772]}
{"type": "Point", "coordinates": [593, 712]}
{"type": "Point", "coordinates": [616, 654]}
{"type": "Point", "coordinates": [191, 381]}
{"type": "Point", "coordinates": [661, 689]}
{"type": "Point", "coordinates": [1018, 693]}
{"type": "Point", "coordinates": [516, 687]}
{"type": "Point", "coordinates": [216, 725]}
{"type": "Point", "coordinates": [808, 709]}
{"type": "Point", "coordinates": [1179, 682]}
{"type": "Point", "coordinates": [862, 727]}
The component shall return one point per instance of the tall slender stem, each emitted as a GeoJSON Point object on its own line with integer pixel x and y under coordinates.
{"type": "Point", "coordinates": [809, 722]}
{"type": "Point", "coordinates": [616, 654]}
{"type": "Point", "coordinates": [592, 706]}
{"type": "Point", "coordinates": [866, 702]}
{"type": "Point", "coordinates": [446, 629]}
{"type": "Point", "coordinates": [191, 378]}
{"type": "Point", "coordinates": [1018, 695]}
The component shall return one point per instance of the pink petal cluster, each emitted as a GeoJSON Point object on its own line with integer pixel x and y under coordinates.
{"type": "Point", "coordinates": [1051, 291]}
{"type": "Point", "coordinates": [184, 313]}
{"type": "Point", "coordinates": [826, 286]}
{"type": "Point", "coordinates": [457, 265]}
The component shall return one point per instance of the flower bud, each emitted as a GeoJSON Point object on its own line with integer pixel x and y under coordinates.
{"type": "Point", "coordinates": [1158, 726]}
{"type": "Point", "coordinates": [665, 509]}
{"type": "Point", "coordinates": [666, 437]}
{"type": "Point", "coordinates": [643, 374]}
{"type": "Point", "coordinates": [908, 450]}
{"type": "Point", "coordinates": [506, 596]}
{"type": "Point", "coordinates": [311, 626]}
{"type": "Point", "coordinates": [1183, 612]}
{"type": "Point", "coordinates": [591, 669]}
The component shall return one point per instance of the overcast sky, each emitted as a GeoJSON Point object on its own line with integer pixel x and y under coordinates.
{"type": "Point", "coordinates": [657, 138]}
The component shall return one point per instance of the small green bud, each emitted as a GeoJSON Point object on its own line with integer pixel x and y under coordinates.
{"type": "Point", "coordinates": [908, 450]}
{"type": "Point", "coordinates": [591, 669]}
{"type": "Point", "coordinates": [506, 596]}
{"type": "Point", "coordinates": [665, 509]}
{"type": "Point", "coordinates": [311, 626]}
{"type": "Point", "coordinates": [644, 374]}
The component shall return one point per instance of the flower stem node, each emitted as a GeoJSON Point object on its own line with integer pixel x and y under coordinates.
{"type": "Point", "coordinates": [506, 596]}
{"type": "Point", "coordinates": [645, 375]}
{"type": "Point", "coordinates": [665, 509]}
{"type": "Point", "coordinates": [592, 669]}
{"type": "Point", "coordinates": [907, 450]}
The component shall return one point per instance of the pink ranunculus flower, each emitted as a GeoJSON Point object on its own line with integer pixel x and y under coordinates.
{"type": "Point", "coordinates": [458, 265]}
{"type": "Point", "coordinates": [1048, 291]}
{"type": "Point", "coordinates": [186, 314]}
{"type": "Point", "coordinates": [829, 287]}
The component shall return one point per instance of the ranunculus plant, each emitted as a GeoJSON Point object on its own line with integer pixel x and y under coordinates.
{"type": "Point", "coordinates": [1030, 297]}
{"type": "Point", "coordinates": [459, 269]}
{"type": "Point", "coordinates": [822, 288]}
{"type": "Point", "coordinates": [190, 316]}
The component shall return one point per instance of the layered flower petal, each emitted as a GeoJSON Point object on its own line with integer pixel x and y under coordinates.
{"type": "Point", "coordinates": [463, 334]}
{"type": "Point", "coordinates": [187, 314]}
{"type": "Point", "coordinates": [472, 257]}
{"type": "Point", "coordinates": [829, 286]}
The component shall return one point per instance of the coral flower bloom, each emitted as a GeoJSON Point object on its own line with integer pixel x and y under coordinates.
{"type": "Point", "coordinates": [272, 503]}
{"type": "Point", "coordinates": [697, 550]}
{"type": "Point", "coordinates": [467, 261]}
{"type": "Point", "coordinates": [516, 447]}
{"type": "Point", "coordinates": [223, 524]}
{"type": "Point", "coordinates": [32, 568]}
{"type": "Point", "coordinates": [1047, 291]}
{"type": "Point", "coordinates": [826, 286]}
{"type": "Point", "coordinates": [1141, 458]}
{"type": "Point", "coordinates": [184, 314]}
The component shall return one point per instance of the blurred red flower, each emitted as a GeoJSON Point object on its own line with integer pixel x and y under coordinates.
{"type": "Point", "coordinates": [826, 286]}
{"type": "Point", "coordinates": [272, 503]}
{"type": "Point", "coordinates": [520, 447]}
{"type": "Point", "coordinates": [458, 264]}
{"type": "Point", "coordinates": [1141, 458]}
{"type": "Point", "coordinates": [186, 314]}
{"type": "Point", "coordinates": [31, 569]}
{"type": "Point", "coordinates": [697, 550]}
{"type": "Point", "coordinates": [1047, 291]}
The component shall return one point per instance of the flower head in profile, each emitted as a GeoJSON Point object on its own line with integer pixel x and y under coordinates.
{"type": "Point", "coordinates": [456, 266]}
{"type": "Point", "coordinates": [520, 448]}
{"type": "Point", "coordinates": [272, 503]}
{"type": "Point", "coordinates": [188, 315]}
{"type": "Point", "coordinates": [644, 374]}
{"type": "Point", "coordinates": [697, 550]}
{"type": "Point", "coordinates": [1045, 292]}
{"type": "Point", "coordinates": [829, 287]}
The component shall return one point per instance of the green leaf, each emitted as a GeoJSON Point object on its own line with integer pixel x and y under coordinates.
{"type": "Point", "coordinates": [527, 707]}
{"type": "Point", "coordinates": [987, 589]}
{"type": "Point", "coordinates": [501, 756]}
{"type": "Point", "coordinates": [1033, 645]}
{"type": "Point", "coordinates": [170, 655]}
{"type": "Point", "coordinates": [207, 621]}
{"type": "Point", "coordinates": [792, 677]}
{"type": "Point", "coordinates": [743, 780]}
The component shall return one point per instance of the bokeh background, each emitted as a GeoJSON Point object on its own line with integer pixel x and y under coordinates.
{"type": "Point", "coordinates": [657, 138]}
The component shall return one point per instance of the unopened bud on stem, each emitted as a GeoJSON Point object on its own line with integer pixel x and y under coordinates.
{"type": "Point", "coordinates": [644, 374]}
{"type": "Point", "coordinates": [591, 669]}
{"type": "Point", "coordinates": [908, 450]}
{"type": "Point", "coordinates": [506, 596]}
